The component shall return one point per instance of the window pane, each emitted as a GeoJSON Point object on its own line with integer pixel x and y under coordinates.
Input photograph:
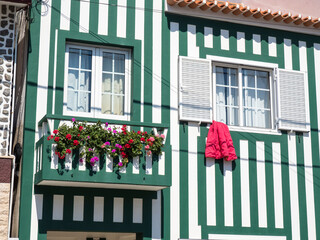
{"type": "Point", "coordinates": [107, 62]}
{"type": "Point", "coordinates": [85, 81]}
{"type": "Point", "coordinates": [233, 118]}
{"type": "Point", "coordinates": [106, 105]}
{"type": "Point", "coordinates": [73, 78]}
{"type": "Point", "coordinates": [248, 117]}
{"type": "Point", "coordinates": [118, 105]}
{"type": "Point", "coordinates": [222, 114]}
{"type": "Point", "coordinates": [84, 102]}
{"type": "Point", "coordinates": [263, 99]}
{"type": "Point", "coordinates": [72, 101]}
{"type": "Point", "coordinates": [74, 57]}
{"type": "Point", "coordinates": [248, 79]}
{"type": "Point", "coordinates": [263, 119]}
{"type": "Point", "coordinates": [119, 63]}
{"type": "Point", "coordinates": [118, 84]}
{"type": "Point", "coordinates": [222, 94]}
{"type": "Point", "coordinates": [263, 79]}
{"type": "Point", "coordinates": [107, 82]}
{"type": "Point", "coordinates": [233, 98]}
{"type": "Point", "coordinates": [86, 56]}
{"type": "Point", "coordinates": [234, 77]}
{"type": "Point", "coordinates": [249, 99]}
{"type": "Point", "coordinates": [222, 76]}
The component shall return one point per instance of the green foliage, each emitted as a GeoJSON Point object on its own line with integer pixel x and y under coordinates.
{"type": "Point", "coordinates": [94, 140]}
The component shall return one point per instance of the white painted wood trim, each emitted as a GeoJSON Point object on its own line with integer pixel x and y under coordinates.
{"type": "Point", "coordinates": [272, 45]}
{"type": "Point", "coordinates": [103, 17]}
{"type": "Point", "coordinates": [121, 18]}
{"type": "Point", "coordinates": [208, 37]}
{"type": "Point", "coordinates": [118, 209]}
{"type": "Point", "coordinates": [228, 193]}
{"type": "Point", "coordinates": [224, 39]}
{"type": "Point", "coordinates": [98, 209]}
{"type": "Point", "coordinates": [136, 165]}
{"type": "Point", "coordinates": [65, 15]}
{"type": "Point", "coordinates": [245, 183]}
{"type": "Point", "coordinates": [256, 44]}
{"type": "Point", "coordinates": [84, 16]}
{"type": "Point", "coordinates": [57, 211]}
{"type": "Point", "coordinates": [137, 210]}
{"type": "Point", "coordinates": [78, 208]}
{"type": "Point", "coordinates": [211, 191]}
{"type": "Point", "coordinates": [149, 164]}
{"type": "Point", "coordinates": [241, 42]}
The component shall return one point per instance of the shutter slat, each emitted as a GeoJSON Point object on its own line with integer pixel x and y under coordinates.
{"type": "Point", "coordinates": [293, 107]}
{"type": "Point", "coordinates": [195, 90]}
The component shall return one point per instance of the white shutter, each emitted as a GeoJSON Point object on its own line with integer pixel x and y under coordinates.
{"type": "Point", "coordinates": [293, 101]}
{"type": "Point", "coordinates": [195, 90]}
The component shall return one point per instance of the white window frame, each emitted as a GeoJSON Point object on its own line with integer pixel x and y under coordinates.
{"type": "Point", "coordinates": [254, 65]}
{"type": "Point", "coordinates": [96, 82]}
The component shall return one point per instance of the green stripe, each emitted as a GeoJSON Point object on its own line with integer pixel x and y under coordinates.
{"type": "Point", "coordinates": [75, 16]}
{"type": "Point", "coordinates": [131, 13]}
{"type": "Point", "coordinates": [112, 21]}
{"type": "Point", "coordinates": [94, 17]}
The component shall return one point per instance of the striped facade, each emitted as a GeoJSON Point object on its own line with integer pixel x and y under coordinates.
{"type": "Point", "coordinates": [270, 192]}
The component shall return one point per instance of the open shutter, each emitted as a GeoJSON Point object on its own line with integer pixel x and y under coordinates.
{"type": "Point", "coordinates": [195, 90]}
{"type": "Point", "coordinates": [293, 101]}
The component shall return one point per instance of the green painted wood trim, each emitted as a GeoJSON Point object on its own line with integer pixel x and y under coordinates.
{"type": "Point", "coordinates": [75, 15]}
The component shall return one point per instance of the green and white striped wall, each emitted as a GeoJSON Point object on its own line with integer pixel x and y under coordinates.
{"type": "Point", "coordinates": [270, 192]}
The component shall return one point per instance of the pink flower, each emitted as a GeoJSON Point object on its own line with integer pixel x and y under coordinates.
{"type": "Point", "coordinates": [107, 124]}
{"type": "Point", "coordinates": [147, 147]}
{"type": "Point", "coordinates": [157, 135]}
{"type": "Point", "coordinates": [92, 160]}
{"type": "Point", "coordinates": [149, 153]}
{"type": "Point", "coordinates": [120, 164]}
{"type": "Point", "coordinates": [162, 136]}
{"type": "Point", "coordinates": [102, 146]}
{"type": "Point", "coordinates": [107, 143]}
{"type": "Point", "coordinates": [81, 160]}
{"type": "Point", "coordinates": [113, 150]}
{"type": "Point", "coordinates": [88, 137]}
{"type": "Point", "coordinates": [73, 119]}
{"type": "Point", "coordinates": [151, 139]}
{"type": "Point", "coordinates": [109, 129]}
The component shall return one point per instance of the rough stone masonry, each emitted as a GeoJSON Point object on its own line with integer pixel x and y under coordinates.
{"type": "Point", "coordinates": [7, 14]}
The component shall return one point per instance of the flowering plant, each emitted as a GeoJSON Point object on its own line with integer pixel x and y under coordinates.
{"type": "Point", "coordinates": [96, 140]}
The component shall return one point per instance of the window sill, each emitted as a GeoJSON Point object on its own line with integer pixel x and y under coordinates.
{"type": "Point", "coordinates": [255, 130]}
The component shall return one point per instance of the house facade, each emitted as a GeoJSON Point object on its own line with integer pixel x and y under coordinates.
{"type": "Point", "coordinates": [174, 67]}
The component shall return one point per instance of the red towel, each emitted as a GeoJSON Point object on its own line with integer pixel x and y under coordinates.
{"type": "Point", "coordinates": [219, 142]}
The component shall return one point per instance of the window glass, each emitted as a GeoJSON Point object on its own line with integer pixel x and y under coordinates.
{"type": "Point", "coordinates": [79, 80]}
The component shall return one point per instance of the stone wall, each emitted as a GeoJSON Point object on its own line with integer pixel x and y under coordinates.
{"type": "Point", "coordinates": [7, 14]}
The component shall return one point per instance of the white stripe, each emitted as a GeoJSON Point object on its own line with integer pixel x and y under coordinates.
{"type": "Point", "coordinates": [98, 209]}
{"type": "Point", "coordinates": [122, 18]}
{"type": "Point", "coordinates": [241, 42]}
{"type": "Point", "coordinates": [139, 34]}
{"type": "Point", "coordinates": [193, 50]}
{"type": "Point", "coordinates": [228, 194]}
{"type": "Point", "coordinates": [84, 16]}
{"type": "Point", "coordinates": [224, 39]}
{"type": "Point", "coordinates": [277, 185]}
{"type": "Point", "coordinates": [261, 183]}
{"type": "Point", "coordinates": [103, 17]}
{"type": "Point", "coordinates": [117, 209]}
{"type": "Point", "coordinates": [137, 210]}
{"type": "Point", "coordinates": [307, 149]}
{"type": "Point", "coordinates": [256, 44]}
{"type": "Point", "coordinates": [193, 134]}
{"type": "Point", "coordinates": [272, 43]}
{"type": "Point", "coordinates": [245, 237]}
{"type": "Point", "coordinates": [161, 164]}
{"type": "Point", "coordinates": [65, 14]}
{"type": "Point", "coordinates": [287, 54]}
{"type": "Point", "coordinates": [208, 37]}
{"type": "Point", "coordinates": [57, 210]}
{"type": "Point", "coordinates": [78, 204]}
{"type": "Point", "coordinates": [68, 161]}
{"type": "Point", "coordinates": [211, 192]}
{"type": "Point", "coordinates": [294, 195]}
{"type": "Point", "coordinates": [174, 135]}
{"type": "Point", "coordinates": [308, 170]}
{"type": "Point", "coordinates": [82, 165]}
{"type": "Point", "coordinates": [135, 165]}
{"type": "Point", "coordinates": [54, 157]}
{"type": "Point", "coordinates": [245, 190]}
{"type": "Point", "coordinates": [156, 61]}
{"type": "Point", "coordinates": [39, 205]}
{"type": "Point", "coordinates": [109, 164]}
{"type": "Point", "coordinates": [54, 77]}
{"type": "Point", "coordinates": [156, 217]}
{"type": "Point", "coordinates": [149, 164]}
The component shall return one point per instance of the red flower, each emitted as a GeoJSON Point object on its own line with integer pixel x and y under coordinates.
{"type": "Point", "coordinates": [124, 126]}
{"type": "Point", "coordinates": [68, 136]}
{"type": "Point", "coordinates": [150, 143]}
{"type": "Point", "coordinates": [139, 132]}
{"type": "Point", "coordinates": [125, 133]}
{"type": "Point", "coordinates": [124, 155]}
{"type": "Point", "coordinates": [145, 132]}
{"type": "Point", "coordinates": [75, 142]}
{"type": "Point", "coordinates": [48, 138]}
{"type": "Point", "coordinates": [61, 157]}
{"type": "Point", "coordinates": [78, 135]}
{"type": "Point", "coordinates": [68, 151]}
{"type": "Point", "coordinates": [127, 146]}
{"type": "Point", "coordinates": [56, 139]}
{"type": "Point", "coordinates": [130, 141]}
{"type": "Point", "coordinates": [55, 131]}
{"type": "Point", "coordinates": [80, 128]}
{"type": "Point", "coordinates": [142, 139]}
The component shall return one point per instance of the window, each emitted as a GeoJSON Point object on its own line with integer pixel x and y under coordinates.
{"type": "Point", "coordinates": [243, 96]}
{"type": "Point", "coordinates": [250, 95]}
{"type": "Point", "coordinates": [97, 82]}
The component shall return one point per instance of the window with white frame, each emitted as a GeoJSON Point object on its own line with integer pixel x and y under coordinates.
{"type": "Point", "coordinates": [243, 93]}
{"type": "Point", "coordinates": [243, 96]}
{"type": "Point", "coordinates": [97, 82]}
